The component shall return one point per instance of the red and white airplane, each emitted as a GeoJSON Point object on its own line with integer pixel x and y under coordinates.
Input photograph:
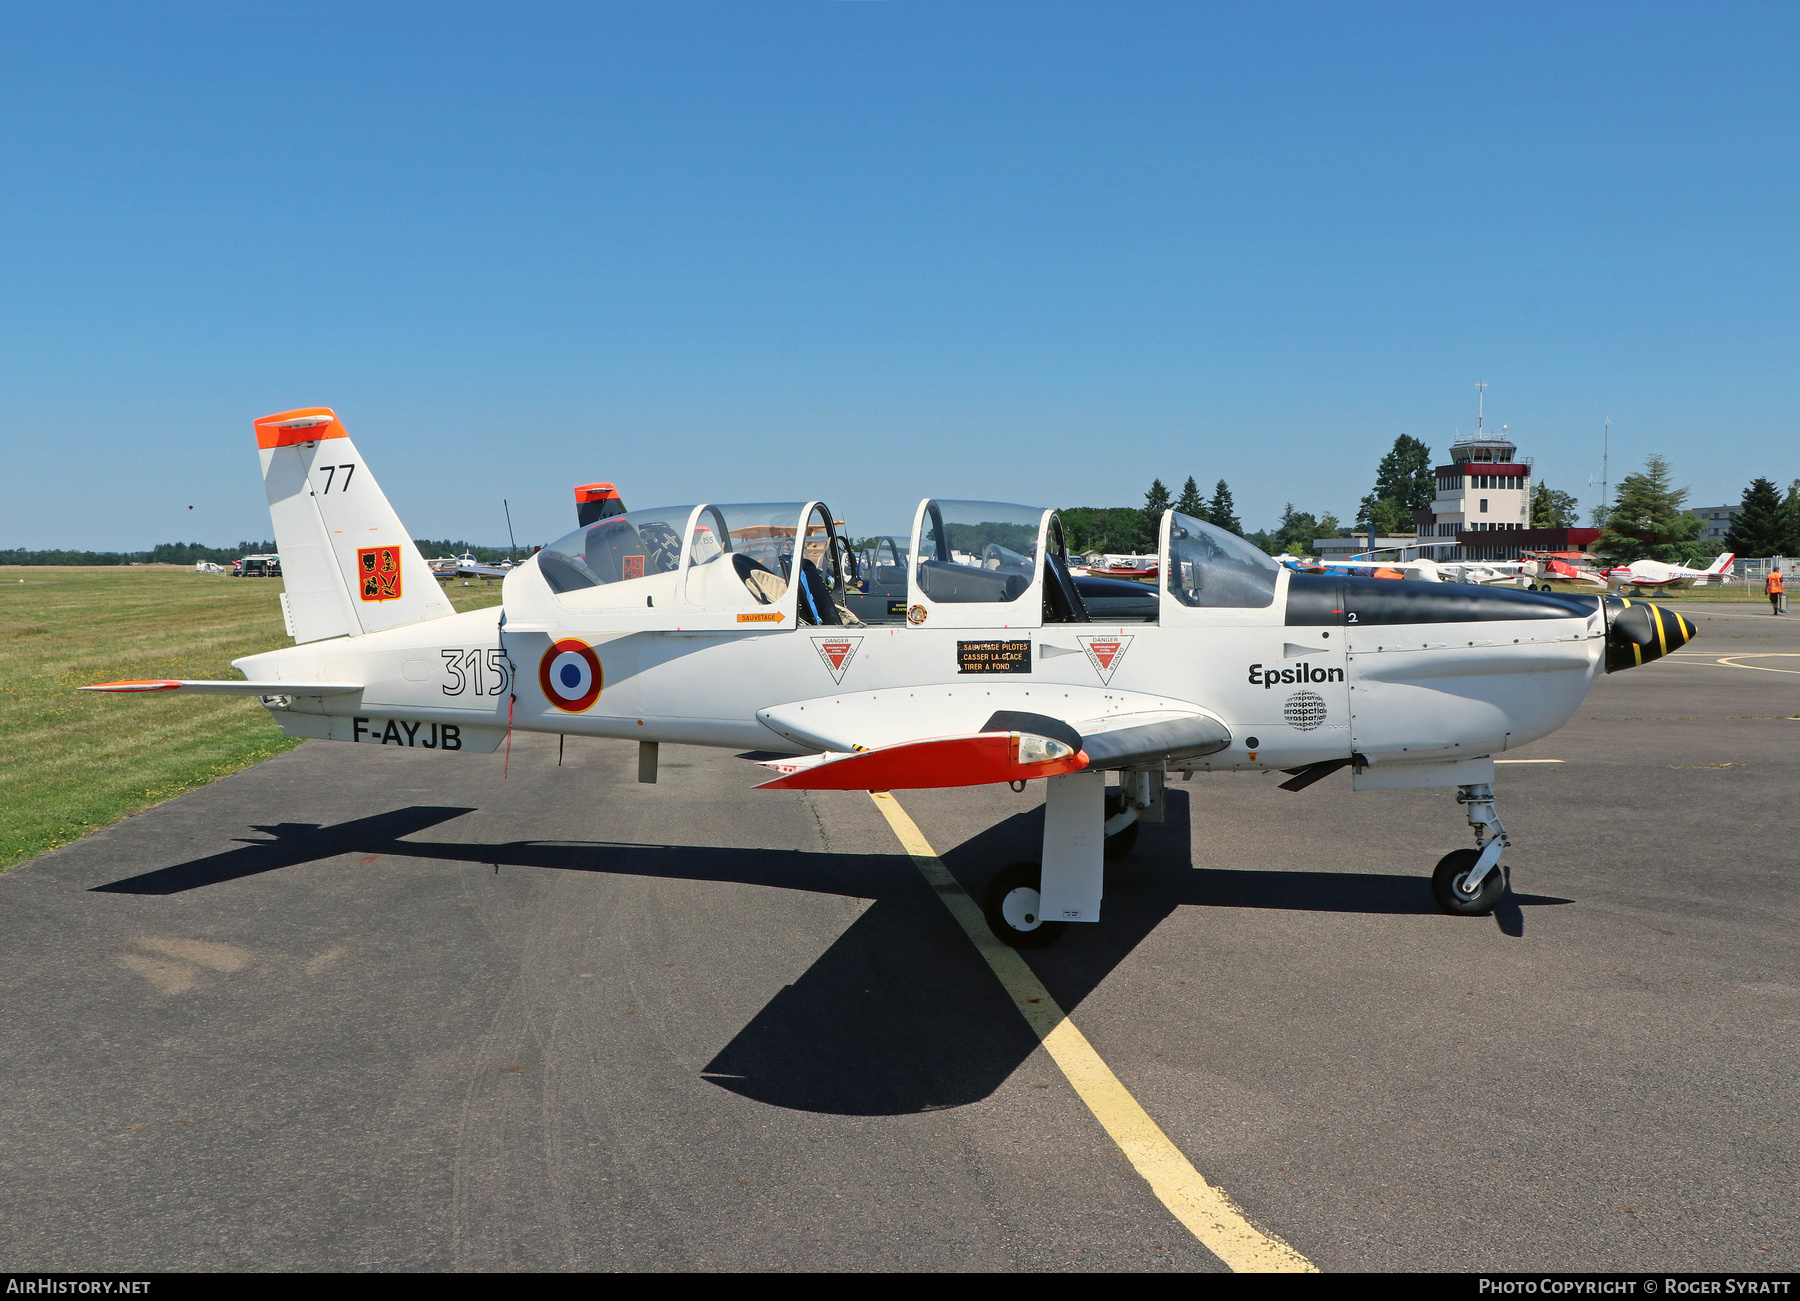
{"type": "Point", "coordinates": [1642, 577]}
{"type": "Point", "coordinates": [1553, 574]}
{"type": "Point", "coordinates": [727, 625]}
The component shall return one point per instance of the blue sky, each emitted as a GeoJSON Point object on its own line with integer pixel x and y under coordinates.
{"type": "Point", "coordinates": [875, 251]}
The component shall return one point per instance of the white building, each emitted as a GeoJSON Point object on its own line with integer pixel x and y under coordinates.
{"type": "Point", "coordinates": [1484, 489]}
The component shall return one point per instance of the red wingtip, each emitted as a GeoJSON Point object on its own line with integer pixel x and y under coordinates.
{"type": "Point", "coordinates": [136, 684]}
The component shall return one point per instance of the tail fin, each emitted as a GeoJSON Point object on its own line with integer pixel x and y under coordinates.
{"type": "Point", "coordinates": [348, 564]}
{"type": "Point", "coordinates": [1723, 563]}
{"type": "Point", "coordinates": [595, 502]}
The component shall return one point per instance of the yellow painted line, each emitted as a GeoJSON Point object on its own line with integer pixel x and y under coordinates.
{"type": "Point", "coordinates": [1732, 660]}
{"type": "Point", "coordinates": [1208, 1213]}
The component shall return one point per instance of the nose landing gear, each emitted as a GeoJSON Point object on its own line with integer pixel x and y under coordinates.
{"type": "Point", "coordinates": [1468, 882]}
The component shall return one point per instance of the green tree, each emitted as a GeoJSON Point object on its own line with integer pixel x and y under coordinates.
{"type": "Point", "coordinates": [1295, 533]}
{"type": "Point", "coordinates": [1119, 529]}
{"type": "Point", "coordinates": [1389, 517]}
{"type": "Point", "coordinates": [1156, 501]}
{"type": "Point", "coordinates": [1649, 521]}
{"type": "Point", "coordinates": [1406, 476]}
{"type": "Point", "coordinates": [1329, 526]}
{"type": "Point", "coordinates": [1191, 503]}
{"type": "Point", "coordinates": [1551, 509]}
{"type": "Point", "coordinates": [1222, 511]}
{"type": "Point", "coordinates": [1765, 526]}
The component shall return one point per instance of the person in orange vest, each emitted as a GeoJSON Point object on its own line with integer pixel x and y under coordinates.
{"type": "Point", "coordinates": [1773, 590]}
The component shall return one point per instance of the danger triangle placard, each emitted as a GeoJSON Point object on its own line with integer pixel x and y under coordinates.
{"type": "Point", "coordinates": [1104, 651]}
{"type": "Point", "coordinates": [837, 652]}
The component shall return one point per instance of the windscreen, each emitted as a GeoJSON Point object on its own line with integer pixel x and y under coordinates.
{"type": "Point", "coordinates": [1210, 567]}
{"type": "Point", "coordinates": [978, 551]}
{"type": "Point", "coordinates": [616, 550]}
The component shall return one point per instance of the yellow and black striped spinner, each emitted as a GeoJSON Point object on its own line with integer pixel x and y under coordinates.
{"type": "Point", "coordinates": [1641, 632]}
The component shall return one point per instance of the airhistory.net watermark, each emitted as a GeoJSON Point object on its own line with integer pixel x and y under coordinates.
{"type": "Point", "coordinates": [77, 1287]}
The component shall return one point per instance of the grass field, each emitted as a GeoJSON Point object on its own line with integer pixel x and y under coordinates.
{"type": "Point", "coordinates": [72, 762]}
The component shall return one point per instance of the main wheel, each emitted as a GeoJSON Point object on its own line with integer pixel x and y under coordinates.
{"type": "Point", "coordinates": [1118, 844]}
{"type": "Point", "coordinates": [1447, 885]}
{"type": "Point", "coordinates": [1011, 905]}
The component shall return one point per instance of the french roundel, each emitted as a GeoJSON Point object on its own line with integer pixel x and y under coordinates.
{"type": "Point", "coordinates": [569, 673]}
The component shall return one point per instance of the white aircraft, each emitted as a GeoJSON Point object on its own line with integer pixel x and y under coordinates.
{"type": "Point", "coordinates": [1643, 576]}
{"type": "Point", "coordinates": [1117, 565]}
{"type": "Point", "coordinates": [726, 625]}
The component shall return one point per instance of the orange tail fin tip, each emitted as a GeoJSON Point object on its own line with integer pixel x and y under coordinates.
{"type": "Point", "coordinates": [302, 425]}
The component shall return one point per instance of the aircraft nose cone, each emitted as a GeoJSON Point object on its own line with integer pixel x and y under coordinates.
{"type": "Point", "coordinates": [1640, 632]}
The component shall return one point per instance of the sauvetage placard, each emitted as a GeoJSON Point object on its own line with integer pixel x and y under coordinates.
{"type": "Point", "coordinates": [993, 656]}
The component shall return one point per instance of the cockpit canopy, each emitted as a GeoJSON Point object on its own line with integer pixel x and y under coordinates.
{"type": "Point", "coordinates": [977, 551]}
{"type": "Point", "coordinates": [725, 559]}
{"type": "Point", "coordinates": [617, 549]}
{"type": "Point", "coordinates": [1208, 567]}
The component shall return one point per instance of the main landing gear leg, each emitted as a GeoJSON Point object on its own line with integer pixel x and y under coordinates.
{"type": "Point", "coordinates": [1028, 906]}
{"type": "Point", "coordinates": [1469, 882]}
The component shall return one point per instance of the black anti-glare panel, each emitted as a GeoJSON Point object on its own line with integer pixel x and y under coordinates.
{"type": "Point", "coordinates": [1327, 600]}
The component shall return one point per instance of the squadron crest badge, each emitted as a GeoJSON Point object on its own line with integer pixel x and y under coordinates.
{"type": "Point", "coordinates": [1104, 651]}
{"type": "Point", "coordinates": [837, 652]}
{"type": "Point", "coordinates": [378, 573]}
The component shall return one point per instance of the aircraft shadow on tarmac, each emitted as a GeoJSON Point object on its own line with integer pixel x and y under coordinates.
{"type": "Point", "coordinates": [899, 1015]}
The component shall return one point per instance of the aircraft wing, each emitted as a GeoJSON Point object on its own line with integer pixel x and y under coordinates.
{"type": "Point", "coordinates": [206, 687]}
{"type": "Point", "coordinates": [954, 736]}
{"type": "Point", "coordinates": [475, 569]}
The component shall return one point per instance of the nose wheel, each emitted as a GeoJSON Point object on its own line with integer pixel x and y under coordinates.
{"type": "Point", "coordinates": [1469, 882]}
{"type": "Point", "coordinates": [1450, 885]}
{"type": "Point", "coordinates": [1012, 908]}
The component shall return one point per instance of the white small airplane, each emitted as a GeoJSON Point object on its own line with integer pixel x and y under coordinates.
{"type": "Point", "coordinates": [466, 566]}
{"type": "Point", "coordinates": [1645, 576]}
{"type": "Point", "coordinates": [727, 625]}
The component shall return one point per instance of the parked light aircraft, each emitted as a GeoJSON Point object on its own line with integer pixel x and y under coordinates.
{"type": "Point", "coordinates": [726, 625]}
{"type": "Point", "coordinates": [1550, 574]}
{"type": "Point", "coordinates": [1121, 565]}
{"type": "Point", "coordinates": [1642, 576]}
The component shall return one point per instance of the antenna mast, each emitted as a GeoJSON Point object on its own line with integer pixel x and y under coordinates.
{"type": "Point", "coordinates": [512, 547]}
{"type": "Point", "coordinates": [1480, 404]}
{"type": "Point", "coordinates": [1605, 482]}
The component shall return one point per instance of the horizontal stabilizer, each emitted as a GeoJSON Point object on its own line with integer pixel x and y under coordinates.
{"type": "Point", "coordinates": [979, 760]}
{"type": "Point", "coordinates": [204, 687]}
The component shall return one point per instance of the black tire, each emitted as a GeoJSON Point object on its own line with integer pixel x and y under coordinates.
{"type": "Point", "coordinates": [1032, 932]}
{"type": "Point", "coordinates": [1447, 890]}
{"type": "Point", "coordinates": [1120, 844]}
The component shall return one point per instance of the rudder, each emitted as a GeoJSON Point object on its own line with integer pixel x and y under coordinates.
{"type": "Point", "coordinates": [349, 566]}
